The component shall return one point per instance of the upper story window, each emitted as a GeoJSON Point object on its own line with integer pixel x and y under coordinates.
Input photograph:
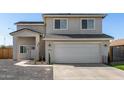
{"type": "Point", "coordinates": [60, 24]}
{"type": "Point", "coordinates": [87, 24]}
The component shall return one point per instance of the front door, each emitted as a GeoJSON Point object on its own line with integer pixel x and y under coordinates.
{"type": "Point", "coordinates": [32, 50]}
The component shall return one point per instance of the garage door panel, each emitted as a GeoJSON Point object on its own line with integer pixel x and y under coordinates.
{"type": "Point", "coordinates": [76, 53]}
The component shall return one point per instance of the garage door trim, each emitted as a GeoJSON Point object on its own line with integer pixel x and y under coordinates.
{"type": "Point", "coordinates": [98, 43]}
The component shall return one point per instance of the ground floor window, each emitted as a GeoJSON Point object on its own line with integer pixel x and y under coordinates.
{"type": "Point", "coordinates": [23, 49]}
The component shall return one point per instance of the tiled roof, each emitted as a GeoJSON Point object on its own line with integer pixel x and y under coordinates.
{"type": "Point", "coordinates": [86, 35]}
{"type": "Point", "coordinates": [79, 36]}
{"type": "Point", "coordinates": [117, 42]}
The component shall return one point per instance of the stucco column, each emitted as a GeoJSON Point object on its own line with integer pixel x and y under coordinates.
{"type": "Point", "coordinates": [37, 45]}
{"type": "Point", "coordinates": [15, 48]}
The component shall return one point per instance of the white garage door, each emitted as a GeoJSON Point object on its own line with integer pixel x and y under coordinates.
{"type": "Point", "coordinates": [76, 53]}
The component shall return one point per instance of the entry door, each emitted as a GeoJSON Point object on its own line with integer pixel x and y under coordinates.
{"type": "Point", "coordinates": [31, 52]}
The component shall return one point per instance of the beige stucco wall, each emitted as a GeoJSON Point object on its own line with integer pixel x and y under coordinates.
{"type": "Point", "coordinates": [103, 50]}
{"type": "Point", "coordinates": [30, 41]}
{"type": "Point", "coordinates": [26, 37]}
{"type": "Point", "coordinates": [73, 27]}
{"type": "Point", "coordinates": [24, 41]}
{"type": "Point", "coordinates": [39, 28]}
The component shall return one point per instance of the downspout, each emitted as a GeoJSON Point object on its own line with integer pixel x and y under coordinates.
{"type": "Point", "coordinates": [49, 55]}
{"type": "Point", "coordinates": [49, 59]}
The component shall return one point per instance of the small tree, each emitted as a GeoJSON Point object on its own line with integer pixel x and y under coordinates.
{"type": "Point", "coordinates": [2, 46]}
{"type": "Point", "coordinates": [9, 46]}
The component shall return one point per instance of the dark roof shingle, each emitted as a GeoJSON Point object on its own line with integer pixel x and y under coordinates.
{"type": "Point", "coordinates": [85, 35]}
{"type": "Point", "coordinates": [29, 22]}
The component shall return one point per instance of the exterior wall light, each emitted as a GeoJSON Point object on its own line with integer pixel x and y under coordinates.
{"type": "Point", "coordinates": [105, 45]}
{"type": "Point", "coordinates": [49, 45]}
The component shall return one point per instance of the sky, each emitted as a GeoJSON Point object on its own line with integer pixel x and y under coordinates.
{"type": "Point", "coordinates": [113, 24]}
{"type": "Point", "coordinates": [7, 20]}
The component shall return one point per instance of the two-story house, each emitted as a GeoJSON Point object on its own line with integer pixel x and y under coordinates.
{"type": "Point", "coordinates": [62, 38]}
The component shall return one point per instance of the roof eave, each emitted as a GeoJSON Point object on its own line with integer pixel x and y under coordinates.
{"type": "Point", "coordinates": [12, 33]}
{"type": "Point", "coordinates": [76, 15]}
{"type": "Point", "coordinates": [29, 23]}
{"type": "Point", "coordinates": [77, 39]}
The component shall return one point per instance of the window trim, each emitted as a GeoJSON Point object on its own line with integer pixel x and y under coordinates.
{"type": "Point", "coordinates": [94, 28]}
{"type": "Point", "coordinates": [26, 46]}
{"type": "Point", "coordinates": [20, 47]}
{"type": "Point", "coordinates": [59, 19]}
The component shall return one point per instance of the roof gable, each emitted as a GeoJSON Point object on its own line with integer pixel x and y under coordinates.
{"type": "Point", "coordinates": [24, 29]}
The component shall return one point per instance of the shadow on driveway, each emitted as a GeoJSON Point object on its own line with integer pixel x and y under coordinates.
{"type": "Point", "coordinates": [86, 65]}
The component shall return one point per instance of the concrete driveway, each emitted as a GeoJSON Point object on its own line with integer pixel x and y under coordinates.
{"type": "Point", "coordinates": [86, 72]}
{"type": "Point", "coordinates": [10, 71]}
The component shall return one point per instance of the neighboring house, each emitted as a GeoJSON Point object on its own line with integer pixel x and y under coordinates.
{"type": "Point", "coordinates": [62, 38]}
{"type": "Point", "coordinates": [117, 50]}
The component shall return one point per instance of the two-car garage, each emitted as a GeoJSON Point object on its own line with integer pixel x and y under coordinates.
{"type": "Point", "coordinates": [76, 52]}
{"type": "Point", "coordinates": [77, 48]}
